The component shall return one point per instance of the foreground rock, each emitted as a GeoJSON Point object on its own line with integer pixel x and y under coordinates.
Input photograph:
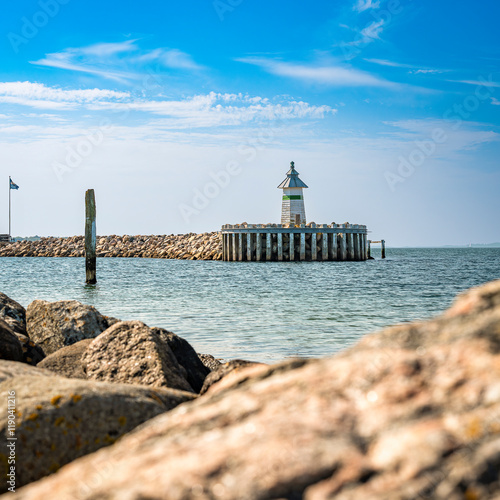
{"type": "Point", "coordinates": [13, 313]}
{"type": "Point", "coordinates": [412, 412]}
{"type": "Point", "coordinates": [10, 347]}
{"type": "Point", "coordinates": [131, 352]}
{"type": "Point", "coordinates": [224, 369]}
{"type": "Point", "coordinates": [67, 361]}
{"type": "Point", "coordinates": [53, 325]}
{"type": "Point", "coordinates": [58, 419]}
{"type": "Point", "coordinates": [196, 371]}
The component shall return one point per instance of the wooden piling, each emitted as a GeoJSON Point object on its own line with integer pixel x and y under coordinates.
{"type": "Point", "coordinates": [302, 246]}
{"type": "Point", "coordinates": [383, 248]}
{"type": "Point", "coordinates": [249, 247]}
{"type": "Point", "coordinates": [324, 252]}
{"type": "Point", "coordinates": [90, 237]}
{"type": "Point", "coordinates": [259, 246]}
{"type": "Point", "coordinates": [280, 247]}
{"type": "Point", "coordinates": [369, 256]}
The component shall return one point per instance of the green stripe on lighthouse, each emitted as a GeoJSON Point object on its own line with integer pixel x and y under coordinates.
{"type": "Point", "coordinates": [292, 197]}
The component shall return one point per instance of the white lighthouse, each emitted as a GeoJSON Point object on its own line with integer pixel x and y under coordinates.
{"type": "Point", "coordinates": [292, 207]}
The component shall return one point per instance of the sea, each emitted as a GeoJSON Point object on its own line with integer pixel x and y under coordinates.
{"type": "Point", "coordinates": [261, 311]}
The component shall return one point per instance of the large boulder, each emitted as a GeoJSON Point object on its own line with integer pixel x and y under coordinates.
{"type": "Point", "coordinates": [209, 362]}
{"type": "Point", "coordinates": [13, 313]}
{"type": "Point", "coordinates": [32, 352]}
{"type": "Point", "coordinates": [131, 352]}
{"type": "Point", "coordinates": [225, 369]}
{"type": "Point", "coordinates": [67, 361]}
{"type": "Point", "coordinates": [58, 420]}
{"type": "Point", "coordinates": [382, 421]}
{"type": "Point", "coordinates": [10, 347]}
{"type": "Point", "coordinates": [53, 325]}
{"type": "Point", "coordinates": [196, 371]}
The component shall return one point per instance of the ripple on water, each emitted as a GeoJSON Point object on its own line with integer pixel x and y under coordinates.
{"type": "Point", "coordinates": [266, 311]}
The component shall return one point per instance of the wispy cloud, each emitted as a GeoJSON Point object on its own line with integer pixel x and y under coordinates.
{"type": "Point", "coordinates": [495, 102]}
{"type": "Point", "coordinates": [362, 5]}
{"type": "Point", "coordinates": [171, 58]}
{"type": "Point", "coordinates": [334, 75]}
{"type": "Point", "coordinates": [484, 82]}
{"type": "Point", "coordinates": [107, 60]}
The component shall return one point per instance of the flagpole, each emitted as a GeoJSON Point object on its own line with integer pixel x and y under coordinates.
{"type": "Point", "coordinates": [9, 206]}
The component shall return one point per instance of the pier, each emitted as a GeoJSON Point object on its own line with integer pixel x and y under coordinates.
{"type": "Point", "coordinates": [278, 242]}
{"type": "Point", "coordinates": [293, 239]}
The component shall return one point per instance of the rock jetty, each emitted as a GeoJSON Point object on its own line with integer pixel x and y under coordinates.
{"type": "Point", "coordinates": [411, 412]}
{"type": "Point", "coordinates": [191, 246]}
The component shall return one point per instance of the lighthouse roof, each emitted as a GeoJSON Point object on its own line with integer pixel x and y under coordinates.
{"type": "Point", "coordinates": [292, 179]}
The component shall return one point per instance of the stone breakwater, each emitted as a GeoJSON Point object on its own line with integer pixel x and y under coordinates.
{"type": "Point", "coordinates": [117, 409]}
{"type": "Point", "coordinates": [191, 246]}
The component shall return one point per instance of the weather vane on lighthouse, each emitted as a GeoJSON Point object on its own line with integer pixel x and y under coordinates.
{"type": "Point", "coordinates": [292, 206]}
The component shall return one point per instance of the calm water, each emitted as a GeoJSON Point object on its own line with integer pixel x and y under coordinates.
{"type": "Point", "coordinates": [261, 311]}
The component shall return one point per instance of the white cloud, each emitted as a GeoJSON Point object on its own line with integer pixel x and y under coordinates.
{"type": "Point", "coordinates": [171, 58]}
{"type": "Point", "coordinates": [362, 5]}
{"type": "Point", "coordinates": [109, 49]}
{"type": "Point", "coordinates": [107, 60]}
{"type": "Point", "coordinates": [329, 75]}
{"type": "Point", "coordinates": [213, 109]}
{"type": "Point", "coordinates": [392, 64]}
{"type": "Point", "coordinates": [483, 82]}
{"type": "Point", "coordinates": [39, 96]}
{"type": "Point", "coordinates": [372, 32]}
{"type": "Point", "coordinates": [495, 102]}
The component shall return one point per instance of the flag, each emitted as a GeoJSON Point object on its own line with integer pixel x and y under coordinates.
{"type": "Point", "coordinates": [13, 185]}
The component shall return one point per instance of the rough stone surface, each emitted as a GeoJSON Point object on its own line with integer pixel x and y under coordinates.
{"type": "Point", "coordinates": [62, 419]}
{"type": "Point", "coordinates": [223, 370]}
{"type": "Point", "coordinates": [191, 246]}
{"type": "Point", "coordinates": [67, 361]}
{"type": "Point", "coordinates": [53, 325]}
{"type": "Point", "coordinates": [13, 313]}
{"type": "Point", "coordinates": [196, 371]}
{"type": "Point", "coordinates": [131, 352]}
{"type": "Point", "coordinates": [10, 347]}
{"type": "Point", "coordinates": [32, 353]}
{"type": "Point", "coordinates": [209, 361]}
{"type": "Point", "coordinates": [386, 420]}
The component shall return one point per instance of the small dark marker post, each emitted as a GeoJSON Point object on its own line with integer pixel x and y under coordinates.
{"type": "Point", "coordinates": [90, 237]}
{"type": "Point", "coordinates": [383, 248]}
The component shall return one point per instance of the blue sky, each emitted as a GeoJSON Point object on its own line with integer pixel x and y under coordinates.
{"type": "Point", "coordinates": [185, 115]}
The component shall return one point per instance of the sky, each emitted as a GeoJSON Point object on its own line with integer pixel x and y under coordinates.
{"type": "Point", "coordinates": [184, 116]}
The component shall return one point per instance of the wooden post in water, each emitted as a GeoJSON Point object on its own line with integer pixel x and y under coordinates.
{"type": "Point", "coordinates": [383, 248]}
{"type": "Point", "coordinates": [90, 237]}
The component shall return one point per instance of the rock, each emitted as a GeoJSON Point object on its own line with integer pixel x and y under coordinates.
{"type": "Point", "coordinates": [224, 370]}
{"type": "Point", "coordinates": [10, 347]}
{"type": "Point", "coordinates": [67, 361]}
{"type": "Point", "coordinates": [13, 313]}
{"type": "Point", "coordinates": [379, 421]}
{"type": "Point", "coordinates": [53, 325]}
{"type": "Point", "coordinates": [65, 419]}
{"type": "Point", "coordinates": [32, 353]}
{"type": "Point", "coordinates": [209, 361]}
{"type": "Point", "coordinates": [131, 352]}
{"type": "Point", "coordinates": [196, 371]}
